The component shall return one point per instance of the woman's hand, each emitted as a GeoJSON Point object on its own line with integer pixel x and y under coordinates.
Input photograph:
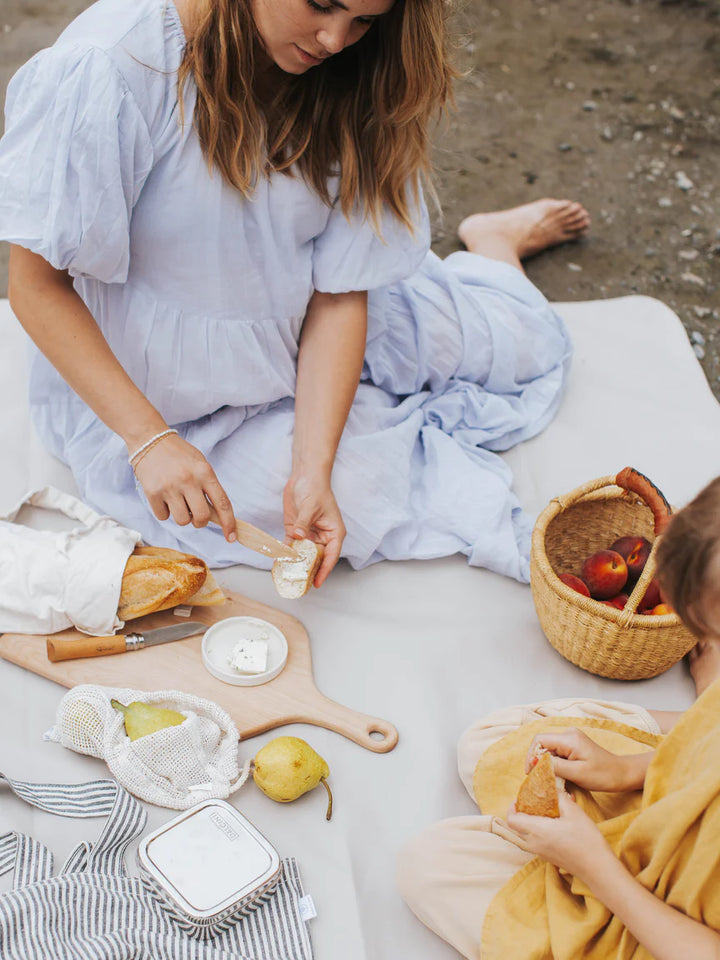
{"type": "Point", "coordinates": [180, 483]}
{"type": "Point", "coordinates": [571, 841]}
{"type": "Point", "coordinates": [577, 758]}
{"type": "Point", "coordinates": [311, 512]}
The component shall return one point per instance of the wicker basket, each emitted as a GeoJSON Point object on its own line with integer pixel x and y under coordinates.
{"type": "Point", "coordinates": [605, 641]}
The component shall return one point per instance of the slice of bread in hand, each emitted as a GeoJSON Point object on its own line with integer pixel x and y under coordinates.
{"type": "Point", "coordinates": [156, 578]}
{"type": "Point", "coordinates": [538, 793]}
{"type": "Point", "coordinates": [293, 578]}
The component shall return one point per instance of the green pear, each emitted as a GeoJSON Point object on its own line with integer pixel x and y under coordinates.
{"type": "Point", "coordinates": [142, 719]}
{"type": "Point", "coordinates": [287, 767]}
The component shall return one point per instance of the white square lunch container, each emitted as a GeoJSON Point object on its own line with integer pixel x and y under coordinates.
{"type": "Point", "coordinates": [208, 867]}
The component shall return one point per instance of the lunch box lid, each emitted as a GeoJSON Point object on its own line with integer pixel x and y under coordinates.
{"type": "Point", "coordinates": [208, 859]}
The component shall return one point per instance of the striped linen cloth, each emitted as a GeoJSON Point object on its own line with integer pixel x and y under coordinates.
{"type": "Point", "coordinates": [93, 911]}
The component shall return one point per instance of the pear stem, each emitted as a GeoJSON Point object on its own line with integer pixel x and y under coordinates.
{"type": "Point", "coordinates": [324, 782]}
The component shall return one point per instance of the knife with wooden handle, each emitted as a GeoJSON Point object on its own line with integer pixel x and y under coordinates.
{"type": "Point", "coordinates": [62, 649]}
{"type": "Point", "coordinates": [256, 539]}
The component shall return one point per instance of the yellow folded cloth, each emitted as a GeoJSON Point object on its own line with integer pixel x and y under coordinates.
{"type": "Point", "coordinates": [668, 836]}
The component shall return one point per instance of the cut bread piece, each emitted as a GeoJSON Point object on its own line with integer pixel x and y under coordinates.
{"type": "Point", "coordinates": [538, 793]}
{"type": "Point", "coordinates": [210, 594]}
{"type": "Point", "coordinates": [293, 578]}
{"type": "Point", "coordinates": [156, 578]}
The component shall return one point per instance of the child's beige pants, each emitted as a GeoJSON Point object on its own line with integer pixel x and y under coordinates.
{"type": "Point", "coordinates": [453, 869]}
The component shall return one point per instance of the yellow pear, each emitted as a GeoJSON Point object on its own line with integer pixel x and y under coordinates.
{"type": "Point", "coordinates": [142, 719]}
{"type": "Point", "coordinates": [287, 767]}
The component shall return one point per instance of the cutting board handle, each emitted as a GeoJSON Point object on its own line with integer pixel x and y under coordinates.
{"type": "Point", "coordinates": [372, 733]}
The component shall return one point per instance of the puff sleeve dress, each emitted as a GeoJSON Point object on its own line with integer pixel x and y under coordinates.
{"type": "Point", "coordinates": [201, 295]}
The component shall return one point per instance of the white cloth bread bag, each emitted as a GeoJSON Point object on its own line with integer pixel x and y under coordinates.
{"type": "Point", "coordinates": [174, 767]}
{"type": "Point", "coordinates": [50, 581]}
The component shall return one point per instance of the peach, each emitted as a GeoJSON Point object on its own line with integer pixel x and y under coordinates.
{"type": "Point", "coordinates": [605, 574]}
{"type": "Point", "coordinates": [634, 551]}
{"type": "Point", "coordinates": [618, 602]}
{"type": "Point", "coordinates": [575, 582]}
{"type": "Point", "coordinates": [661, 609]}
{"type": "Point", "coordinates": [652, 597]}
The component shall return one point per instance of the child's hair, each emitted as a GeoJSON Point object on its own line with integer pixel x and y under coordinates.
{"type": "Point", "coordinates": [685, 555]}
{"type": "Point", "coordinates": [364, 114]}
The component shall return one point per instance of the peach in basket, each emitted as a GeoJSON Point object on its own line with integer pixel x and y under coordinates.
{"type": "Point", "coordinates": [621, 644]}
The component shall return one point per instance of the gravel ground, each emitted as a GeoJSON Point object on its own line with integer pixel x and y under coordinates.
{"type": "Point", "coordinates": [614, 103]}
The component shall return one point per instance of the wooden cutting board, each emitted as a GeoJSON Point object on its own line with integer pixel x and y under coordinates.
{"type": "Point", "coordinates": [291, 697]}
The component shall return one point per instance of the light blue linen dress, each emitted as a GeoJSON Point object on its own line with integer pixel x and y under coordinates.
{"type": "Point", "coordinates": [201, 296]}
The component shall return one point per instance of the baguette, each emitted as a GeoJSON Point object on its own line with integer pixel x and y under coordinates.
{"type": "Point", "coordinates": [538, 793]}
{"type": "Point", "coordinates": [635, 482]}
{"type": "Point", "coordinates": [293, 578]}
{"type": "Point", "coordinates": [209, 594]}
{"type": "Point", "coordinates": [156, 578]}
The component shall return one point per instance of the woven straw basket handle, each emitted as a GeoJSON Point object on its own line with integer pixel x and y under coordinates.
{"type": "Point", "coordinates": [563, 502]}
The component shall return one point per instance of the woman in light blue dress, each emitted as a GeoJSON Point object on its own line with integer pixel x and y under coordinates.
{"type": "Point", "coordinates": [208, 278]}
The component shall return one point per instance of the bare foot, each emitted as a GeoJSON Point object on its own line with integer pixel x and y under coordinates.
{"type": "Point", "coordinates": [528, 229]}
{"type": "Point", "coordinates": [704, 659]}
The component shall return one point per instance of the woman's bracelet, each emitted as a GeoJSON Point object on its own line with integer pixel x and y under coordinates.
{"type": "Point", "coordinates": [135, 458]}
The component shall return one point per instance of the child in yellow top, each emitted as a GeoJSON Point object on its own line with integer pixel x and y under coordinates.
{"type": "Point", "coordinates": [630, 867]}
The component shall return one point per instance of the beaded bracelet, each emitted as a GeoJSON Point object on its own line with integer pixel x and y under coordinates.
{"type": "Point", "coordinates": [141, 451]}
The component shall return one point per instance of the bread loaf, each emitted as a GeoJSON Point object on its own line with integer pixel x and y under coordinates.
{"type": "Point", "coordinates": [293, 578]}
{"type": "Point", "coordinates": [209, 594]}
{"type": "Point", "coordinates": [157, 578]}
{"type": "Point", "coordinates": [538, 793]}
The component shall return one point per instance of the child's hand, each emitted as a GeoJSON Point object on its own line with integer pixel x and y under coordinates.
{"type": "Point", "coordinates": [580, 760]}
{"type": "Point", "coordinates": [571, 841]}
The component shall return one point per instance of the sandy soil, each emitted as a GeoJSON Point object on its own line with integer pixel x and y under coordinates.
{"type": "Point", "coordinates": [615, 103]}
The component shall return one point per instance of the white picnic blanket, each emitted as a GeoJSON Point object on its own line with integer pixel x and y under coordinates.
{"type": "Point", "coordinates": [428, 645]}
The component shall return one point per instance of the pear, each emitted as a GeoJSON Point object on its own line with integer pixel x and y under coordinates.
{"type": "Point", "coordinates": [287, 767]}
{"type": "Point", "coordinates": [142, 719]}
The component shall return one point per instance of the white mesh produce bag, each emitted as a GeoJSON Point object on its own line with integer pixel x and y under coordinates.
{"type": "Point", "coordinates": [174, 767]}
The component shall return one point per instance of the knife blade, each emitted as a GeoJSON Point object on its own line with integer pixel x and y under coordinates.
{"type": "Point", "coordinates": [62, 649]}
{"type": "Point", "coordinates": [256, 539]}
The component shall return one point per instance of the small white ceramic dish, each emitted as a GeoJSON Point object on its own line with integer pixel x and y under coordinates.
{"type": "Point", "coordinates": [220, 640]}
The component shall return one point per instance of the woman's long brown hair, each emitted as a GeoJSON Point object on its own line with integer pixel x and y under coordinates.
{"type": "Point", "coordinates": [363, 115]}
